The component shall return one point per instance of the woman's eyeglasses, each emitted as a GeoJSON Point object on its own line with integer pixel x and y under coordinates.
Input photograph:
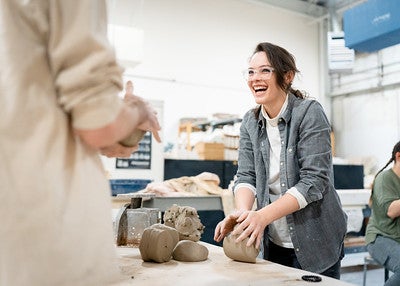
{"type": "Point", "coordinates": [263, 72]}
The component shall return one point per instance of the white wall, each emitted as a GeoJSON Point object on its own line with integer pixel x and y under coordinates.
{"type": "Point", "coordinates": [194, 52]}
{"type": "Point", "coordinates": [366, 105]}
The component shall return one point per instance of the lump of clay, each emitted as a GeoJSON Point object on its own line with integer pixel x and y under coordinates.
{"type": "Point", "coordinates": [158, 242]}
{"type": "Point", "coordinates": [239, 251]}
{"type": "Point", "coordinates": [133, 139]}
{"type": "Point", "coordinates": [190, 251]}
{"type": "Point", "coordinates": [185, 220]}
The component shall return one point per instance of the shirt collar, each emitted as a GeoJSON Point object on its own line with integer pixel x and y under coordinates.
{"type": "Point", "coordinates": [274, 121]}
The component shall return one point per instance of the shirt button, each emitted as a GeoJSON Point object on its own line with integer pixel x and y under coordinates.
{"type": "Point", "coordinates": [297, 249]}
{"type": "Point", "coordinates": [290, 149]}
{"type": "Point", "coordinates": [290, 228]}
{"type": "Point", "coordinates": [282, 142]}
{"type": "Point", "coordinates": [283, 184]}
{"type": "Point", "coordinates": [281, 163]}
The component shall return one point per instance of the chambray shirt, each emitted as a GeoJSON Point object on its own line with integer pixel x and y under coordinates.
{"type": "Point", "coordinates": [317, 231]}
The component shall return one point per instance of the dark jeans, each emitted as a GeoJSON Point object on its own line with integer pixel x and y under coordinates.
{"type": "Point", "coordinates": [287, 257]}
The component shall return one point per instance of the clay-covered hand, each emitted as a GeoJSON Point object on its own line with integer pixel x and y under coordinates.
{"type": "Point", "coordinates": [225, 226]}
{"type": "Point", "coordinates": [251, 225]}
{"type": "Point", "coordinates": [118, 150]}
{"type": "Point", "coordinates": [150, 123]}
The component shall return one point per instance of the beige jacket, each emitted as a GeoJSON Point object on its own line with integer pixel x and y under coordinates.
{"type": "Point", "coordinates": [57, 72]}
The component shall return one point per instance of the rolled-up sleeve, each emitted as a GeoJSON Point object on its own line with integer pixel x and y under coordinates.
{"type": "Point", "coordinates": [87, 76]}
{"type": "Point", "coordinates": [314, 154]}
{"type": "Point", "coordinates": [246, 166]}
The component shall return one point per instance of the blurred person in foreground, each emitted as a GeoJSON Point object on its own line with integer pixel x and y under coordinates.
{"type": "Point", "coordinates": [59, 85]}
{"type": "Point", "coordinates": [383, 228]}
{"type": "Point", "coordinates": [285, 165]}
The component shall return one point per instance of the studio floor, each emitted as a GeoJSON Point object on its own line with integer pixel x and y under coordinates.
{"type": "Point", "coordinates": [354, 274]}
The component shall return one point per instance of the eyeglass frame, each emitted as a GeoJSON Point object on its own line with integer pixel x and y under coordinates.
{"type": "Point", "coordinates": [265, 75]}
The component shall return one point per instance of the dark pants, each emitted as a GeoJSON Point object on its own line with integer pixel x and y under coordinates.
{"type": "Point", "coordinates": [287, 257]}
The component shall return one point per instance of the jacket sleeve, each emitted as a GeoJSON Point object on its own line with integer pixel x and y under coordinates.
{"type": "Point", "coordinates": [86, 74]}
{"type": "Point", "coordinates": [246, 167]}
{"type": "Point", "coordinates": [314, 153]}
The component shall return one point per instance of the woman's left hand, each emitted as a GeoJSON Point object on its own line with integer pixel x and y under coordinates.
{"type": "Point", "coordinates": [251, 225]}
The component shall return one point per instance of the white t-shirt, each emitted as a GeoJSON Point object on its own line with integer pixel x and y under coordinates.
{"type": "Point", "coordinates": [278, 230]}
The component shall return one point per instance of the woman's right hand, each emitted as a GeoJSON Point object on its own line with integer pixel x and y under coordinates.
{"type": "Point", "coordinates": [227, 225]}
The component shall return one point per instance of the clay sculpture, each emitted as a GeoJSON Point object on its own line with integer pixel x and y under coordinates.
{"type": "Point", "coordinates": [190, 251]}
{"type": "Point", "coordinates": [238, 250]}
{"type": "Point", "coordinates": [158, 243]}
{"type": "Point", "coordinates": [177, 238]}
{"type": "Point", "coordinates": [186, 221]}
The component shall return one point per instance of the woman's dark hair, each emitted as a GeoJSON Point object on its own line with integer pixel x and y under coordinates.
{"type": "Point", "coordinates": [282, 61]}
{"type": "Point", "coordinates": [396, 149]}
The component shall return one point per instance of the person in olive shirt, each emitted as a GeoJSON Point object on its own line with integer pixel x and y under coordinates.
{"type": "Point", "coordinates": [383, 229]}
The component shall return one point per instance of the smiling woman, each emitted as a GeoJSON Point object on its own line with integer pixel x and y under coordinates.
{"type": "Point", "coordinates": [270, 75]}
{"type": "Point", "coordinates": [285, 161]}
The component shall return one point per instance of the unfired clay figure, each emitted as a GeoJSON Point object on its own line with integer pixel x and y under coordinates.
{"type": "Point", "coordinates": [185, 220]}
{"type": "Point", "coordinates": [239, 251]}
{"type": "Point", "coordinates": [158, 242]}
{"type": "Point", "coordinates": [190, 251]}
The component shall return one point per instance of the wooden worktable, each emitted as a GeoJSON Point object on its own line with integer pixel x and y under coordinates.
{"type": "Point", "coordinates": [218, 269]}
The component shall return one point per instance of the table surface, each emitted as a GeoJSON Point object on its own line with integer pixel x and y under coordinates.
{"type": "Point", "coordinates": [218, 269]}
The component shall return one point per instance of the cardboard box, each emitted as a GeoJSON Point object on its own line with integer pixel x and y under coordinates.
{"type": "Point", "coordinates": [210, 151]}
